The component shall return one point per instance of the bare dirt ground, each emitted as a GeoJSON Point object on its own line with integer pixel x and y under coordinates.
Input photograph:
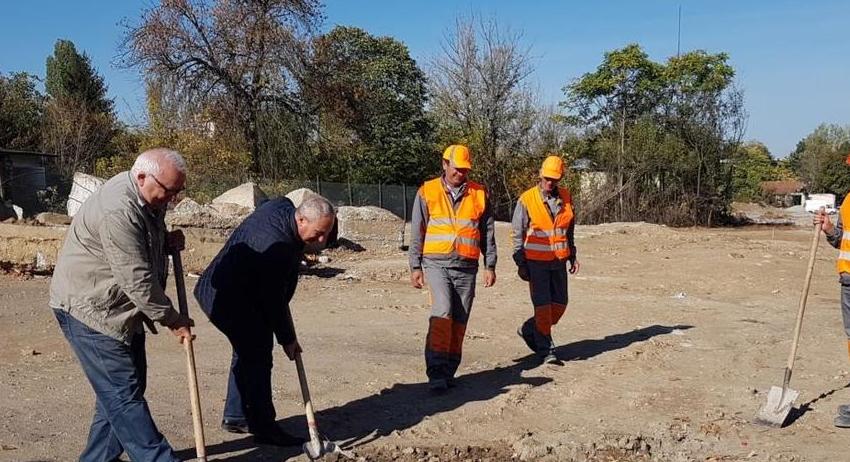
{"type": "Point", "coordinates": [671, 341]}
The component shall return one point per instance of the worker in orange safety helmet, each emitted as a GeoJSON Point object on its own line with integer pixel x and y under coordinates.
{"type": "Point", "coordinates": [542, 231]}
{"type": "Point", "coordinates": [452, 226]}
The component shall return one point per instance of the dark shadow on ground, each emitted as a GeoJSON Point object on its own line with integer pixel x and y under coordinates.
{"type": "Point", "coordinates": [798, 412]}
{"type": "Point", "coordinates": [253, 452]}
{"type": "Point", "coordinates": [321, 271]}
{"type": "Point", "coordinates": [347, 244]}
{"type": "Point", "coordinates": [405, 405]}
{"type": "Point", "coordinates": [586, 349]}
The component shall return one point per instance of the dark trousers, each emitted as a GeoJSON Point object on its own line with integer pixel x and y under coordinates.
{"type": "Point", "coordinates": [549, 295]}
{"type": "Point", "coordinates": [117, 373]}
{"type": "Point", "coordinates": [249, 386]}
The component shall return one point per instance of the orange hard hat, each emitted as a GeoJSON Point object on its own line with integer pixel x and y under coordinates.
{"type": "Point", "coordinates": [553, 167]}
{"type": "Point", "coordinates": [458, 155]}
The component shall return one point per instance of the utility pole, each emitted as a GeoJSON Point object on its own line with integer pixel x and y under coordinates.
{"type": "Point", "coordinates": [679, 34]}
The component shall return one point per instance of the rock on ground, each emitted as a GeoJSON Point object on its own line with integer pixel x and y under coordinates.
{"type": "Point", "coordinates": [297, 196]}
{"type": "Point", "coordinates": [189, 213]}
{"type": "Point", "coordinates": [83, 187]}
{"type": "Point", "coordinates": [53, 219]}
{"type": "Point", "coordinates": [247, 195]}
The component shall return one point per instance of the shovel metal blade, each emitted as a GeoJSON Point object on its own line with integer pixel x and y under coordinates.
{"type": "Point", "coordinates": [317, 449]}
{"type": "Point", "coordinates": [778, 406]}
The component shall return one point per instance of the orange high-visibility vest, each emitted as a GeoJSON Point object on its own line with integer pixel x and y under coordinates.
{"type": "Point", "coordinates": [449, 230]}
{"type": "Point", "coordinates": [843, 263]}
{"type": "Point", "coordinates": [546, 238]}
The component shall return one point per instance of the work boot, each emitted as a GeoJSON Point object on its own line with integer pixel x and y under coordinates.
{"type": "Point", "coordinates": [844, 409]}
{"type": "Point", "coordinates": [276, 437]}
{"type": "Point", "coordinates": [529, 341]}
{"type": "Point", "coordinates": [234, 426]}
{"type": "Point", "coordinates": [438, 385]}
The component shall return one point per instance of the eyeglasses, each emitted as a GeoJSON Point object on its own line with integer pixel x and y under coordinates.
{"type": "Point", "coordinates": [170, 191]}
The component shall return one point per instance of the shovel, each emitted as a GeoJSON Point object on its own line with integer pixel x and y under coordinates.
{"type": "Point", "coordinates": [197, 419]}
{"type": "Point", "coordinates": [780, 400]}
{"type": "Point", "coordinates": [318, 446]}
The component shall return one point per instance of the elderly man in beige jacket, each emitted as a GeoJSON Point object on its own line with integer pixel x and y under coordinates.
{"type": "Point", "coordinates": [109, 280]}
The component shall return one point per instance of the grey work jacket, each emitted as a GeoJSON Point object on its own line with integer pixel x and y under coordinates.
{"type": "Point", "coordinates": [419, 223]}
{"type": "Point", "coordinates": [834, 240]}
{"type": "Point", "coordinates": [110, 273]}
{"type": "Point", "coordinates": [519, 227]}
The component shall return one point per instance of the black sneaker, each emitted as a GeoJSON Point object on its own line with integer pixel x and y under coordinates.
{"type": "Point", "coordinates": [277, 437]}
{"type": "Point", "coordinates": [234, 426]}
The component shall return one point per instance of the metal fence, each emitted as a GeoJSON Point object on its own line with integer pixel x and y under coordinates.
{"type": "Point", "coordinates": [30, 181]}
{"type": "Point", "coordinates": [398, 199]}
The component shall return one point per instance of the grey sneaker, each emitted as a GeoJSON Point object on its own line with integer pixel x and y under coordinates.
{"type": "Point", "coordinates": [551, 359]}
{"type": "Point", "coordinates": [842, 421]}
{"type": "Point", "coordinates": [844, 409]}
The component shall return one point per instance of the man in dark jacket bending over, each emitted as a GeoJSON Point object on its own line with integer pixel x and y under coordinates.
{"type": "Point", "coordinates": [246, 292]}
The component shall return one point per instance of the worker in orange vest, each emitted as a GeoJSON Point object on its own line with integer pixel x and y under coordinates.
{"type": "Point", "coordinates": [542, 233]}
{"type": "Point", "coordinates": [835, 236]}
{"type": "Point", "coordinates": [452, 226]}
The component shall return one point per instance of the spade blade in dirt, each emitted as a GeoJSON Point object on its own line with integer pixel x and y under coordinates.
{"type": "Point", "coordinates": [778, 406]}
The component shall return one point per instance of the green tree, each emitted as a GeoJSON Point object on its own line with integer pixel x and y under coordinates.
{"type": "Point", "coordinates": [21, 112]}
{"type": "Point", "coordinates": [662, 133]}
{"type": "Point", "coordinates": [626, 86]}
{"type": "Point", "coordinates": [819, 159]}
{"type": "Point", "coordinates": [237, 60]}
{"type": "Point", "coordinates": [752, 165]}
{"type": "Point", "coordinates": [370, 92]}
{"type": "Point", "coordinates": [704, 110]}
{"type": "Point", "coordinates": [70, 75]}
{"type": "Point", "coordinates": [79, 122]}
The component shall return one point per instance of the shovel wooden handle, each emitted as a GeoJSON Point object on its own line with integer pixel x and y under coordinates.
{"type": "Point", "coordinates": [312, 427]}
{"type": "Point", "coordinates": [803, 296]}
{"type": "Point", "coordinates": [191, 372]}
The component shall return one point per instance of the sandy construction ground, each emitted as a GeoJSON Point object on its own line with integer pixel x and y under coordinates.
{"type": "Point", "coordinates": [670, 343]}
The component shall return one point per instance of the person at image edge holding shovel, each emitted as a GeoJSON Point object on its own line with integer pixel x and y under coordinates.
{"type": "Point", "coordinates": [835, 236]}
{"type": "Point", "coordinates": [452, 226]}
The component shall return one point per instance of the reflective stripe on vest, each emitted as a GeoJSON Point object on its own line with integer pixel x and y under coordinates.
{"type": "Point", "coordinates": [843, 263]}
{"type": "Point", "coordinates": [449, 230]}
{"type": "Point", "coordinates": [546, 238]}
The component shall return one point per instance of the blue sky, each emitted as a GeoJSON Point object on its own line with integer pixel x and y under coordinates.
{"type": "Point", "coordinates": [790, 57]}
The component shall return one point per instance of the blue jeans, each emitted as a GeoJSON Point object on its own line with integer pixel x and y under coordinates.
{"type": "Point", "coordinates": [117, 373]}
{"type": "Point", "coordinates": [233, 410]}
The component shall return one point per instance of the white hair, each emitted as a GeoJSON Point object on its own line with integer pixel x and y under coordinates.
{"type": "Point", "coordinates": [315, 207]}
{"type": "Point", "coordinates": [150, 161]}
